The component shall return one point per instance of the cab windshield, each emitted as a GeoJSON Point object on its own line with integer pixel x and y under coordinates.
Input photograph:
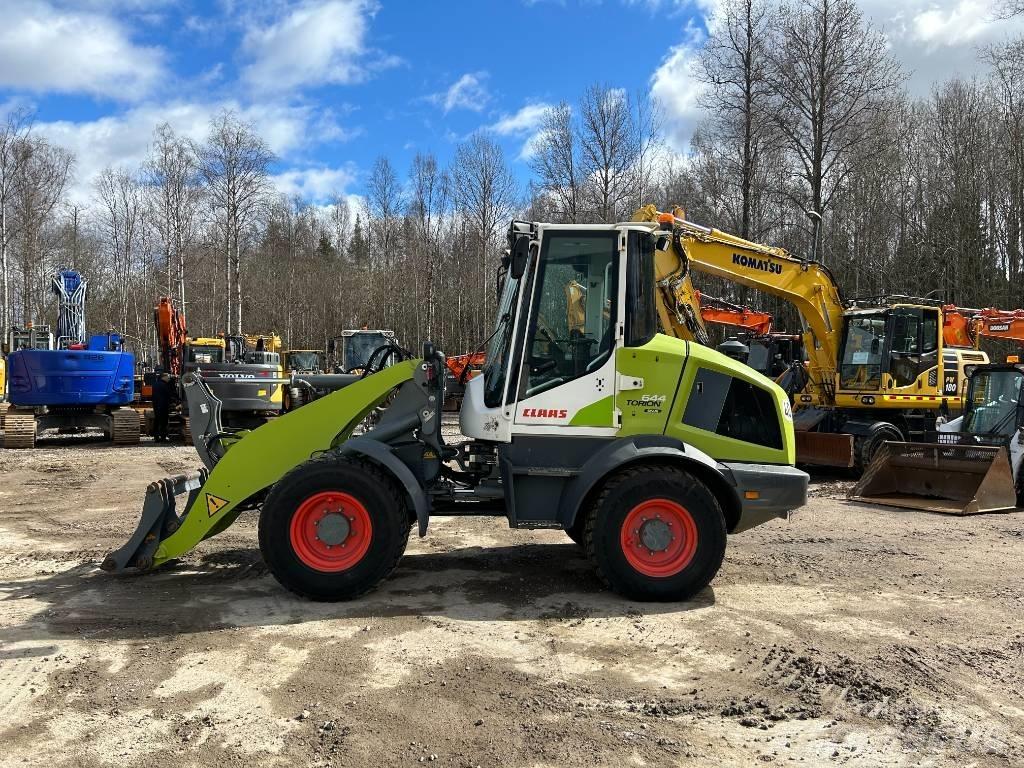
{"type": "Point", "coordinates": [359, 347]}
{"type": "Point", "coordinates": [863, 348]}
{"type": "Point", "coordinates": [759, 358]}
{"type": "Point", "coordinates": [305, 361]}
{"type": "Point", "coordinates": [501, 344]}
{"type": "Point", "coordinates": [994, 402]}
{"type": "Point", "coordinates": [202, 353]}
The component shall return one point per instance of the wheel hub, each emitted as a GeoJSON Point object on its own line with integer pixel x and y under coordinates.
{"type": "Point", "coordinates": [659, 537]}
{"type": "Point", "coordinates": [333, 528]}
{"type": "Point", "coordinates": [331, 531]}
{"type": "Point", "coordinates": [655, 535]}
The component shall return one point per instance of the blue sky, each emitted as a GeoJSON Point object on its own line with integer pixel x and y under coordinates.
{"type": "Point", "coordinates": [331, 84]}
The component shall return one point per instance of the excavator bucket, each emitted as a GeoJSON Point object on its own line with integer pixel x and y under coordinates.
{"type": "Point", "coordinates": [939, 477]}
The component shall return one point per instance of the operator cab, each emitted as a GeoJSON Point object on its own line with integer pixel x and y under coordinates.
{"type": "Point", "coordinates": [306, 360]}
{"type": "Point", "coordinates": [204, 354]}
{"type": "Point", "coordinates": [890, 348]}
{"type": "Point", "coordinates": [576, 353]}
{"type": "Point", "coordinates": [561, 315]}
{"type": "Point", "coordinates": [995, 401]}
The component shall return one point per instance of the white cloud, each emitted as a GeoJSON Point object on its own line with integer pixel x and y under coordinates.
{"type": "Point", "coordinates": [525, 124]}
{"type": "Point", "coordinates": [939, 39]}
{"type": "Point", "coordinates": [934, 40]}
{"type": "Point", "coordinates": [316, 185]}
{"type": "Point", "coordinates": [468, 92]}
{"type": "Point", "coordinates": [526, 120]}
{"type": "Point", "coordinates": [315, 43]}
{"type": "Point", "coordinates": [124, 140]}
{"type": "Point", "coordinates": [677, 89]}
{"type": "Point", "coordinates": [47, 48]}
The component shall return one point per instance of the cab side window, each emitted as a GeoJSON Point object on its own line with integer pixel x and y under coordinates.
{"type": "Point", "coordinates": [915, 344]}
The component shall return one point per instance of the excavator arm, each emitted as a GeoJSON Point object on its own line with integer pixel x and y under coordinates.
{"type": "Point", "coordinates": [967, 327]}
{"type": "Point", "coordinates": [721, 312]}
{"type": "Point", "coordinates": [807, 285]}
{"type": "Point", "coordinates": [172, 336]}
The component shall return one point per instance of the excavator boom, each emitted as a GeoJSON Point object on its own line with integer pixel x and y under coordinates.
{"type": "Point", "coordinates": [807, 285]}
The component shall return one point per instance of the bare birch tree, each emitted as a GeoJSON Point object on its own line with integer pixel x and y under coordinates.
{"type": "Point", "coordinates": [832, 76]}
{"type": "Point", "coordinates": [736, 66]}
{"type": "Point", "coordinates": [486, 193]}
{"type": "Point", "coordinates": [608, 148]}
{"type": "Point", "coordinates": [175, 197]}
{"type": "Point", "coordinates": [42, 180]}
{"type": "Point", "coordinates": [120, 197]}
{"type": "Point", "coordinates": [14, 136]}
{"type": "Point", "coordinates": [234, 162]}
{"type": "Point", "coordinates": [556, 161]}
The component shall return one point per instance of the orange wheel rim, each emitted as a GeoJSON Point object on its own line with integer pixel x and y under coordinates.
{"type": "Point", "coordinates": [331, 532]}
{"type": "Point", "coordinates": [659, 538]}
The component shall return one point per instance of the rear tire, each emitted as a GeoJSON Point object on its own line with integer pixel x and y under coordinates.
{"type": "Point", "coordinates": [578, 530]}
{"type": "Point", "coordinates": [366, 520]}
{"type": "Point", "coordinates": [869, 445]}
{"type": "Point", "coordinates": [1020, 486]}
{"type": "Point", "coordinates": [656, 532]}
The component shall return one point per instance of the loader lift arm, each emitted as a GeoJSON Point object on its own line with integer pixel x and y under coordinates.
{"type": "Point", "coordinates": [240, 471]}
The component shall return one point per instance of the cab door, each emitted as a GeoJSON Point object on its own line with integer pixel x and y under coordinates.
{"type": "Point", "coordinates": [914, 347]}
{"type": "Point", "coordinates": [567, 375]}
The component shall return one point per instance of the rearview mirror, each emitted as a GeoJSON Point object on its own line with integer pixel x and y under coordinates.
{"type": "Point", "coordinates": [519, 256]}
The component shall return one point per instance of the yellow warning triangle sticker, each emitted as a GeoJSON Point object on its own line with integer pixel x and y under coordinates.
{"type": "Point", "coordinates": [215, 504]}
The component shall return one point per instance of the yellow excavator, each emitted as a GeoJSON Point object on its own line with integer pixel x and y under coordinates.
{"type": "Point", "coordinates": [877, 370]}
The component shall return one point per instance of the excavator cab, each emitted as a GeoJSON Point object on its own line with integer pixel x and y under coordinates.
{"type": "Point", "coordinates": [893, 351]}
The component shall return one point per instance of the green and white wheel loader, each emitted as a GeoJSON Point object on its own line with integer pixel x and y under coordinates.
{"type": "Point", "coordinates": [647, 450]}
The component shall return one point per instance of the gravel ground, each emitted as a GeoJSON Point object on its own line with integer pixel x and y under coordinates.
{"type": "Point", "coordinates": [849, 635]}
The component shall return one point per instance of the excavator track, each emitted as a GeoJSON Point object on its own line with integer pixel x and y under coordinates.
{"type": "Point", "coordinates": [3, 413]}
{"type": "Point", "coordinates": [126, 427]}
{"type": "Point", "coordinates": [19, 429]}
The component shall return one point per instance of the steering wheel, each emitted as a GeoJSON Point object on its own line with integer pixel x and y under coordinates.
{"type": "Point", "coordinates": [542, 365]}
{"type": "Point", "coordinates": [550, 339]}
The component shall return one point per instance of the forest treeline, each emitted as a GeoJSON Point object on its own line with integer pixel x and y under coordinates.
{"type": "Point", "coordinates": [805, 110]}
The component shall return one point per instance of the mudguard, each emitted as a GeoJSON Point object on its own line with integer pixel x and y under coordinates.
{"type": "Point", "coordinates": [383, 455]}
{"type": "Point", "coordinates": [254, 463]}
{"type": "Point", "coordinates": [636, 448]}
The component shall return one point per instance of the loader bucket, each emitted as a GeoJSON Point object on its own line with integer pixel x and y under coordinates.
{"type": "Point", "coordinates": [937, 477]}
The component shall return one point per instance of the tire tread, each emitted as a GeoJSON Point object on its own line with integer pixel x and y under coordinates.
{"type": "Point", "coordinates": [687, 480]}
{"type": "Point", "coordinates": [386, 485]}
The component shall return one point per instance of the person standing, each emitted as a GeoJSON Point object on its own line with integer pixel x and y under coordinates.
{"type": "Point", "coordinates": [163, 394]}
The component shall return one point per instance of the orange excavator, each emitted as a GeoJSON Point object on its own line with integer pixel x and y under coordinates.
{"type": "Point", "coordinates": [171, 335]}
{"type": "Point", "coordinates": [768, 352]}
{"type": "Point", "coordinates": [967, 327]}
{"type": "Point", "coordinates": [722, 312]}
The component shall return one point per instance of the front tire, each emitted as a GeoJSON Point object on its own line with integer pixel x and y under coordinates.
{"type": "Point", "coordinates": [333, 528]}
{"type": "Point", "coordinates": [656, 532]}
{"type": "Point", "coordinates": [871, 444]}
